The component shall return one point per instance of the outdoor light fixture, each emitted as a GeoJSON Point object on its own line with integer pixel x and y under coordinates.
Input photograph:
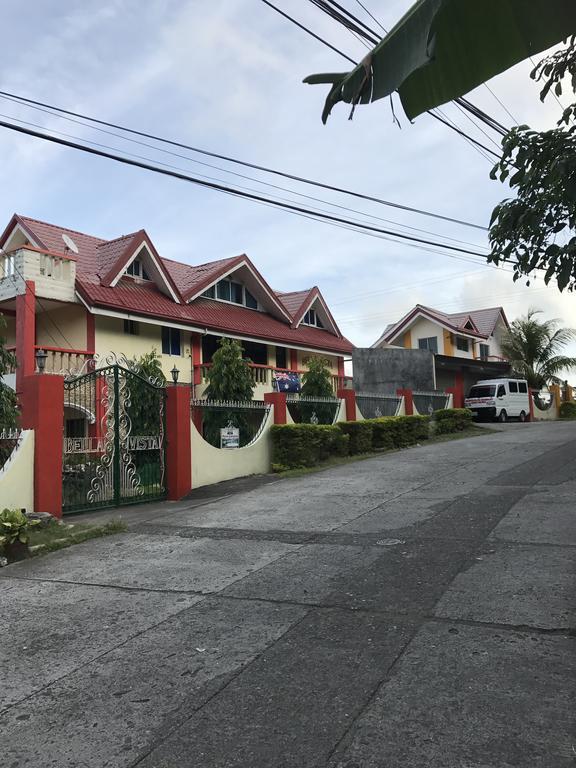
{"type": "Point", "coordinates": [41, 356]}
{"type": "Point", "coordinates": [175, 373]}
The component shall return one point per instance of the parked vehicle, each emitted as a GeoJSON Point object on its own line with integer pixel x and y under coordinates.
{"type": "Point", "coordinates": [499, 399]}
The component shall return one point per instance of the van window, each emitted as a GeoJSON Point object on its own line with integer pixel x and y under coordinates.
{"type": "Point", "coordinates": [482, 391]}
{"type": "Point", "coordinates": [522, 387]}
{"type": "Point", "coordinates": [501, 391]}
{"type": "Point", "coordinates": [513, 386]}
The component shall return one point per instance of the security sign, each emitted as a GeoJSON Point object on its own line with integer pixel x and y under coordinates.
{"type": "Point", "coordinates": [230, 437]}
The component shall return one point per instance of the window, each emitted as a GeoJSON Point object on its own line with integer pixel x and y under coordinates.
{"type": "Point", "coordinates": [501, 391]}
{"type": "Point", "coordinates": [513, 387]}
{"type": "Point", "coordinates": [229, 290]}
{"type": "Point", "coordinates": [131, 327]}
{"type": "Point", "coordinates": [281, 357]}
{"type": "Point", "coordinates": [430, 343]}
{"type": "Point", "coordinates": [136, 269]}
{"type": "Point", "coordinates": [171, 341]}
{"type": "Point", "coordinates": [484, 351]}
{"type": "Point", "coordinates": [255, 352]}
{"type": "Point", "coordinates": [461, 344]}
{"type": "Point", "coordinates": [482, 391]}
{"type": "Point", "coordinates": [209, 346]}
{"type": "Point", "coordinates": [9, 266]}
{"type": "Point", "coordinates": [311, 318]}
{"type": "Point", "coordinates": [523, 387]}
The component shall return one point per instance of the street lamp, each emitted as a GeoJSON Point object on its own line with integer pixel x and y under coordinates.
{"type": "Point", "coordinates": [41, 356]}
{"type": "Point", "coordinates": [175, 373]}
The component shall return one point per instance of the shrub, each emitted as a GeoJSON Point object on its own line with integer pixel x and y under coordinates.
{"type": "Point", "coordinates": [382, 434]}
{"type": "Point", "coordinates": [568, 410]}
{"type": "Point", "coordinates": [399, 431]}
{"type": "Point", "coordinates": [360, 435]}
{"type": "Point", "coordinates": [452, 420]}
{"type": "Point", "coordinates": [304, 445]}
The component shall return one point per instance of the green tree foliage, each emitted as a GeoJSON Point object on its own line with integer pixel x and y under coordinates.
{"type": "Point", "coordinates": [537, 229]}
{"type": "Point", "coordinates": [534, 346]}
{"type": "Point", "coordinates": [317, 381]}
{"type": "Point", "coordinates": [229, 378]}
{"type": "Point", "coordinates": [144, 409]}
{"type": "Point", "coordinates": [8, 403]}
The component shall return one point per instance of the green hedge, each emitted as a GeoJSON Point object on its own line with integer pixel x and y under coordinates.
{"type": "Point", "coordinates": [568, 410]}
{"type": "Point", "coordinates": [304, 445]}
{"type": "Point", "coordinates": [359, 435]}
{"type": "Point", "coordinates": [452, 420]}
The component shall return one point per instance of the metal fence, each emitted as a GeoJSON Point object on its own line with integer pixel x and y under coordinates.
{"type": "Point", "coordinates": [212, 416]}
{"type": "Point", "coordinates": [428, 402]}
{"type": "Point", "coordinates": [374, 406]}
{"type": "Point", "coordinates": [9, 439]}
{"type": "Point", "coordinates": [312, 410]}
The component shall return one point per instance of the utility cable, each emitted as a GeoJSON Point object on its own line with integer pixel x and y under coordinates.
{"type": "Point", "coordinates": [264, 169]}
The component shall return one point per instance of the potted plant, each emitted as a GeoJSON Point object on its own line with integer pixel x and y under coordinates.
{"type": "Point", "coordinates": [14, 529]}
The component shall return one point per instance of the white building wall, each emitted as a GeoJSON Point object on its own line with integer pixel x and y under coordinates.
{"type": "Point", "coordinates": [424, 329]}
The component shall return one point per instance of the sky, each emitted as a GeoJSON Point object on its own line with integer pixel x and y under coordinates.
{"type": "Point", "coordinates": [227, 77]}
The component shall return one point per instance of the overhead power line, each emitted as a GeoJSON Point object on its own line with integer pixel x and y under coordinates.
{"type": "Point", "coordinates": [207, 153]}
{"type": "Point", "coordinates": [362, 227]}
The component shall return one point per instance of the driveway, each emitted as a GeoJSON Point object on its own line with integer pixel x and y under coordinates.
{"type": "Point", "coordinates": [413, 610]}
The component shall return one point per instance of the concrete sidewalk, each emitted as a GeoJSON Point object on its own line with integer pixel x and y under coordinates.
{"type": "Point", "coordinates": [409, 611]}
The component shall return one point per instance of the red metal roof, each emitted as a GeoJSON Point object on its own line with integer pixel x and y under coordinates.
{"type": "Point", "coordinates": [483, 321]}
{"type": "Point", "coordinates": [97, 258]}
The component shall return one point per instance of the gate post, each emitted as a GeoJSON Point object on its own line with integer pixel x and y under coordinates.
{"type": "Point", "coordinates": [349, 397]}
{"type": "Point", "coordinates": [43, 411]}
{"type": "Point", "coordinates": [408, 400]}
{"type": "Point", "coordinates": [178, 441]}
{"type": "Point", "coordinates": [278, 400]}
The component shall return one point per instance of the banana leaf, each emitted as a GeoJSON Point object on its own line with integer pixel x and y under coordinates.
{"type": "Point", "coordinates": [442, 49]}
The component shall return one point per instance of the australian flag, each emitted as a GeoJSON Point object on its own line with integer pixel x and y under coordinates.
{"type": "Point", "coordinates": [286, 381]}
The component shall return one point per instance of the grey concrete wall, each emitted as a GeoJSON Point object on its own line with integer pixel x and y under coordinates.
{"type": "Point", "coordinates": [383, 371]}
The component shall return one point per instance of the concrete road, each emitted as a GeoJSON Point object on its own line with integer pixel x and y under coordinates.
{"type": "Point", "coordinates": [410, 611]}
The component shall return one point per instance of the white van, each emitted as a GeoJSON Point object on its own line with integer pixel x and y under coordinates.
{"type": "Point", "coordinates": [499, 399]}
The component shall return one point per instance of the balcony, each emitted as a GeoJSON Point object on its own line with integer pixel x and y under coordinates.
{"type": "Point", "coordinates": [61, 361]}
{"type": "Point", "coordinates": [54, 274]}
{"type": "Point", "coordinates": [262, 376]}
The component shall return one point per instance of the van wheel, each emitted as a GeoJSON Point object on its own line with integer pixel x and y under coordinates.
{"type": "Point", "coordinates": [503, 418]}
{"type": "Point", "coordinates": [522, 417]}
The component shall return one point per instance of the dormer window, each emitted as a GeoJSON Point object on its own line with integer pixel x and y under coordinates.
{"type": "Point", "coordinates": [311, 318]}
{"type": "Point", "coordinates": [136, 269]}
{"type": "Point", "coordinates": [233, 292]}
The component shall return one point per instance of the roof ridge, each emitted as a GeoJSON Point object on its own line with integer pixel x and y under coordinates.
{"type": "Point", "coordinates": [117, 239]}
{"type": "Point", "coordinates": [57, 226]}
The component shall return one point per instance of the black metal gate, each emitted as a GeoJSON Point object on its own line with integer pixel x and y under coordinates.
{"type": "Point", "coordinates": [114, 440]}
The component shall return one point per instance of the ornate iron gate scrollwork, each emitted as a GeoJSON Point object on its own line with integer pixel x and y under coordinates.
{"type": "Point", "coordinates": [114, 440]}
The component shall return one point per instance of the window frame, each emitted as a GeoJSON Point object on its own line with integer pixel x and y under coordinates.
{"type": "Point", "coordinates": [427, 340]}
{"type": "Point", "coordinates": [131, 327]}
{"type": "Point", "coordinates": [484, 355]}
{"type": "Point", "coordinates": [522, 388]}
{"type": "Point", "coordinates": [140, 273]}
{"type": "Point", "coordinates": [212, 293]}
{"type": "Point", "coordinates": [307, 321]}
{"type": "Point", "coordinates": [462, 344]}
{"type": "Point", "coordinates": [513, 387]}
{"type": "Point", "coordinates": [171, 341]}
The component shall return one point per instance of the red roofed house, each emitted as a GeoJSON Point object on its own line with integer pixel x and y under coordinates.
{"type": "Point", "coordinates": [74, 295]}
{"type": "Point", "coordinates": [466, 345]}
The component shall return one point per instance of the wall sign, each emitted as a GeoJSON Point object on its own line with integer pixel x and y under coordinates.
{"type": "Point", "coordinates": [230, 437]}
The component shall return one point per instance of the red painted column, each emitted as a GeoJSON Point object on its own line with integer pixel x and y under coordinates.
{"type": "Point", "coordinates": [43, 411]}
{"type": "Point", "coordinates": [293, 359]}
{"type": "Point", "coordinates": [459, 387]}
{"type": "Point", "coordinates": [178, 442]}
{"type": "Point", "coordinates": [349, 397]}
{"type": "Point", "coordinates": [196, 348]}
{"type": "Point", "coordinates": [25, 333]}
{"type": "Point", "coordinates": [531, 404]}
{"type": "Point", "coordinates": [408, 400]}
{"type": "Point", "coordinates": [278, 400]}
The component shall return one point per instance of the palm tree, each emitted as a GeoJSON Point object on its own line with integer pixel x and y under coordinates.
{"type": "Point", "coordinates": [532, 347]}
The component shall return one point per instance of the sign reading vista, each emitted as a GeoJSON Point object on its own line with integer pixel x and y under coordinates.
{"type": "Point", "coordinates": [230, 437]}
{"type": "Point", "coordinates": [98, 444]}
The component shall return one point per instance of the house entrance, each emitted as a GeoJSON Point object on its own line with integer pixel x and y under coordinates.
{"type": "Point", "coordinates": [114, 440]}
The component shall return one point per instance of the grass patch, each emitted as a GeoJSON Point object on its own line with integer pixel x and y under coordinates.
{"type": "Point", "coordinates": [336, 461]}
{"type": "Point", "coordinates": [54, 537]}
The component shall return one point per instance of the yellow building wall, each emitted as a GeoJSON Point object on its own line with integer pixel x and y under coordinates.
{"type": "Point", "coordinates": [65, 327]}
{"type": "Point", "coordinates": [110, 337]}
{"type": "Point", "coordinates": [17, 476]}
{"type": "Point", "coordinates": [448, 346]}
{"type": "Point", "coordinates": [407, 340]}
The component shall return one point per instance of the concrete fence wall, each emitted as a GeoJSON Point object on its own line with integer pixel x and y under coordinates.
{"type": "Point", "coordinates": [213, 465]}
{"type": "Point", "coordinates": [17, 476]}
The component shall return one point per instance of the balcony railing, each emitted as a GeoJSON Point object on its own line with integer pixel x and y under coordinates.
{"type": "Point", "coordinates": [262, 375]}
